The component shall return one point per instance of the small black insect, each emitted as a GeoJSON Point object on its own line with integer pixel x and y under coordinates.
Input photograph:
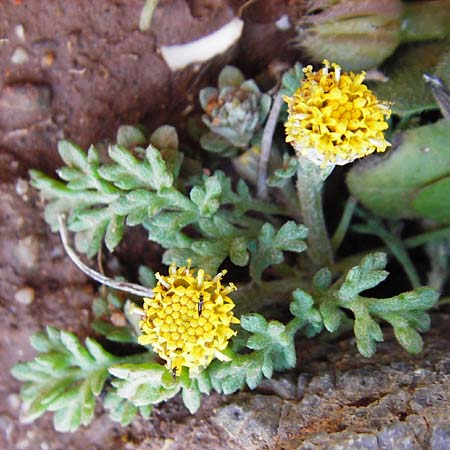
{"type": "Point", "coordinates": [200, 304]}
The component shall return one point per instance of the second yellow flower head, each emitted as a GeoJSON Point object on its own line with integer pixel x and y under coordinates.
{"type": "Point", "coordinates": [334, 118]}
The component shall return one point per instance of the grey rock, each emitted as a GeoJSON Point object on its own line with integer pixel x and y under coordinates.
{"type": "Point", "coordinates": [342, 441]}
{"type": "Point", "coordinates": [393, 401]}
{"type": "Point", "coordinates": [398, 436]}
{"type": "Point", "coordinates": [252, 421]}
{"type": "Point", "coordinates": [440, 438]}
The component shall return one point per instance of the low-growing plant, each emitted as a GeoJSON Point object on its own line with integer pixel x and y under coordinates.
{"type": "Point", "coordinates": [191, 331]}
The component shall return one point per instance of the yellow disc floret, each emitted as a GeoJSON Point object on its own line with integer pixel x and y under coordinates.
{"type": "Point", "coordinates": [187, 322]}
{"type": "Point", "coordinates": [334, 118]}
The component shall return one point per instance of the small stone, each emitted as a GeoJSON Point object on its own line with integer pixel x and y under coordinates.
{"type": "Point", "coordinates": [21, 187]}
{"type": "Point", "coordinates": [25, 296]}
{"type": "Point", "coordinates": [27, 252]}
{"type": "Point", "coordinates": [19, 31]}
{"type": "Point", "coordinates": [6, 426]}
{"type": "Point", "coordinates": [48, 59]}
{"type": "Point", "coordinates": [14, 401]}
{"type": "Point", "coordinates": [20, 56]}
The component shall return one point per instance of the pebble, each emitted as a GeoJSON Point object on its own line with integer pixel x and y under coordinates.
{"type": "Point", "coordinates": [20, 56]}
{"type": "Point", "coordinates": [14, 401]}
{"type": "Point", "coordinates": [19, 30]}
{"type": "Point", "coordinates": [27, 252]}
{"type": "Point", "coordinates": [21, 186]}
{"type": "Point", "coordinates": [25, 296]}
{"type": "Point", "coordinates": [6, 425]}
{"type": "Point", "coordinates": [48, 59]}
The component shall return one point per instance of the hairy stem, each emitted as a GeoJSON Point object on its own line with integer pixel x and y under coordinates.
{"type": "Point", "coordinates": [310, 180]}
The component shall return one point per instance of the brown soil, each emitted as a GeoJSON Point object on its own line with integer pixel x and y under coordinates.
{"type": "Point", "coordinates": [90, 68]}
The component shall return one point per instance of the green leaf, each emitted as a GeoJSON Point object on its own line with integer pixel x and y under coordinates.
{"type": "Point", "coordinates": [129, 136]}
{"type": "Point", "coordinates": [367, 332]}
{"type": "Point", "coordinates": [165, 137]}
{"type": "Point", "coordinates": [231, 376]}
{"type": "Point", "coordinates": [120, 409]}
{"type": "Point", "coordinates": [365, 276]}
{"type": "Point", "coordinates": [331, 315]}
{"type": "Point", "coordinates": [192, 398]}
{"type": "Point", "coordinates": [433, 201]}
{"type": "Point", "coordinates": [409, 339]}
{"type": "Point", "coordinates": [211, 253]}
{"type": "Point", "coordinates": [40, 342]}
{"type": "Point", "coordinates": [291, 80]}
{"type": "Point", "coordinates": [420, 299]}
{"type": "Point", "coordinates": [81, 356]}
{"type": "Point", "coordinates": [392, 187]}
{"type": "Point", "coordinates": [405, 87]}
{"type": "Point", "coordinates": [113, 333]}
{"type": "Point", "coordinates": [144, 384]}
{"type": "Point", "coordinates": [238, 252]}
{"type": "Point", "coordinates": [206, 95]}
{"type": "Point", "coordinates": [217, 144]}
{"type": "Point", "coordinates": [147, 276]}
{"type": "Point", "coordinates": [140, 170]}
{"type": "Point", "coordinates": [301, 304]}
{"type": "Point", "coordinates": [284, 173]}
{"type": "Point", "coordinates": [72, 155]}
{"type": "Point", "coordinates": [322, 279]}
{"type": "Point", "coordinates": [114, 232]}
{"type": "Point", "coordinates": [230, 76]}
{"type": "Point", "coordinates": [254, 322]}
{"type": "Point", "coordinates": [290, 237]}
{"type": "Point", "coordinates": [161, 177]}
{"type": "Point", "coordinates": [65, 378]}
{"type": "Point", "coordinates": [259, 341]}
{"type": "Point", "coordinates": [208, 198]}
{"type": "Point", "coordinates": [270, 246]}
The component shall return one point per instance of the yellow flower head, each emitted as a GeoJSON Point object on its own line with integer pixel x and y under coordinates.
{"type": "Point", "coordinates": [334, 118]}
{"type": "Point", "coordinates": [188, 320]}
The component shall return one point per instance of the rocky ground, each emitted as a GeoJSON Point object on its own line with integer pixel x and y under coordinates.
{"type": "Point", "coordinates": [87, 69]}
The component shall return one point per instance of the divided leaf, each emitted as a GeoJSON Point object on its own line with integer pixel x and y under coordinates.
{"type": "Point", "coordinates": [270, 246]}
{"type": "Point", "coordinates": [143, 384]}
{"type": "Point", "coordinates": [65, 378]}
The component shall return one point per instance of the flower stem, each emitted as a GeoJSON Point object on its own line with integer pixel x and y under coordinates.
{"type": "Point", "coordinates": [310, 180]}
